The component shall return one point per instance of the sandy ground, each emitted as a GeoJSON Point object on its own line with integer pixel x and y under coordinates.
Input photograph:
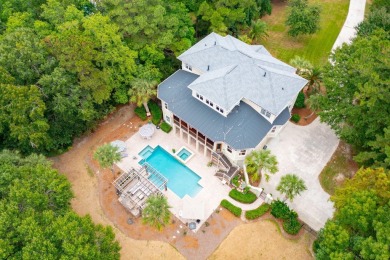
{"type": "Point", "coordinates": [262, 240]}
{"type": "Point", "coordinates": [95, 195]}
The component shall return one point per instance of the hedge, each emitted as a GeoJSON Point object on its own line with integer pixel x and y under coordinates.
{"type": "Point", "coordinates": [258, 212]}
{"type": "Point", "coordinates": [300, 102]}
{"type": "Point", "coordinates": [292, 226]}
{"type": "Point", "coordinates": [247, 197]}
{"type": "Point", "coordinates": [156, 112]}
{"type": "Point", "coordinates": [141, 112]}
{"type": "Point", "coordinates": [296, 118]}
{"type": "Point", "coordinates": [165, 127]}
{"type": "Point", "coordinates": [279, 209]}
{"type": "Point", "coordinates": [233, 209]}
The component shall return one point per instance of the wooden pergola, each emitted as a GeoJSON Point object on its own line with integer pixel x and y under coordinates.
{"type": "Point", "coordinates": [135, 186]}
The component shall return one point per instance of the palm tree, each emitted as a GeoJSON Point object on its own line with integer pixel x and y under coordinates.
{"type": "Point", "coordinates": [142, 91]}
{"type": "Point", "coordinates": [291, 185]}
{"type": "Point", "coordinates": [301, 64]}
{"type": "Point", "coordinates": [258, 30]}
{"type": "Point", "coordinates": [156, 212]}
{"type": "Point", "coordinates": [260, 160]}
{"type": "Point", "coordinates": [314, 76]}
{"type": "Point", "coordinates": [314, 103]}
{"type": "Point", "coordinates": [107, 155]}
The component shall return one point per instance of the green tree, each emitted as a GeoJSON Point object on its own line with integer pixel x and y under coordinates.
{"type": "Point", "coordinates": [107, 155]}
{"type": "Point", "coordinates": [291, 185]}
{"type": "Point", "coordinates": [302, 18]}
{"type": "Point", "coordinates": [265, 7]}
{"type": "Point", "coordinates": [70, 109]}
{"type": "Point", "coordinates": [361, 223]}
{"type": "Point", "coordinates": [91, 48]}
{"type": "Point", "coordinates": [226, 16]}
{"type": "Point", "coordinates": [258, 30]}
{"type": "Point", "coordinates": [156, 212]}
{"type": "Point", "coordinates": [313, 103]}
{"type": "Point", "coordinates": [376, 19]}
{"type": "Point", "coordinates": [357, 97]}
{"type": "Point", "coordinates": [142, 91]}
{"type": "Point", "coordinates": [164, 23]}
{"type": "Point", "coordinates": [314, 77]}
{"type": "Point", "coordinates": [301, 64]}
{"type": "Point", "coordinates": [24, 56]}
{"type": "Point", "coordinates": [259, 161]}
{"type": "Point", "coordinates": [22, 120]}
{"type": "Point", "coordinates": [36, 219]}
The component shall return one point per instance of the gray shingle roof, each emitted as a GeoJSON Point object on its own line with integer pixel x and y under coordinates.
{"type": "Point", "coordinates": [243, 128]}
{"type": "Point", "coordinates": [234, 70]}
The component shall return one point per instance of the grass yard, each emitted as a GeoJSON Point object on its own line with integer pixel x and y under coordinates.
{"type": "Point", "coordinates": [339, 168]}
{"type": "Point", "coordinates": [315, 48]}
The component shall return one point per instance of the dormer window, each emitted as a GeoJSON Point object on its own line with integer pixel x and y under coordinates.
{"type": "Point", "coordinates": [211, 104]}
{"type": "Point", "coordinates": [197, 95]}
{"type": "Point", "coordinates": [188, 67]}
{"type": "Point", "coordinates": [207, 102]}
{"type": "Point", "coordinates": [268, 114]}
{"type": "Point", "coordinates": [200, 97]}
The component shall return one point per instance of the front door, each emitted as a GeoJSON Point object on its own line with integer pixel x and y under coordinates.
{"type": "Point", "coordinates": [219, 147]}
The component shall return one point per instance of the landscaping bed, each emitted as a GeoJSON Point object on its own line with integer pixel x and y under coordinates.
{"type": "Point", "coordinates": [258, 212]}
{"type": "Point", "coordinates": [233, 209]}
{"type": "Point", "coordinates": [244, 197]}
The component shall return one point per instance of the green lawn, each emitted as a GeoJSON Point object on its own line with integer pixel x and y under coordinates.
{"type": "Point", "coordinates": [315, 48]}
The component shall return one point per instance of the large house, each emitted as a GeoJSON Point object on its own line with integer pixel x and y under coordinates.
{"type": "Point", "coordinates": [229, 97]}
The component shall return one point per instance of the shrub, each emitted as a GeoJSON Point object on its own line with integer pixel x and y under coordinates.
{"type": "Point", "coordinates": [156, 112]}
{"type": "Point", "coordinates": [296, 118]}
{"type": "Point", "coordinates": [279, 209]}
{"type": "Point", "coordinates": [300, 102]}
{"type": "Point", "coordinates": [256, 213]}
{"type": "Point", "coordinates": [165, 127]}
{"type": "Point", "coordinates": [141, 112]}
{"type": "Point", "coordinates": [292, 225]}
{"type": "Point", "coordinates": [235, 181]}
{"type": "Point", "coordinates": [248, 197]}
{"type": "Point", "coordinates": [233, 209]}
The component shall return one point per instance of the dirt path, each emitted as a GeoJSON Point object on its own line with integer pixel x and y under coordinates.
{"type": "Point", "coordinates": [85, 186]}
{"type": "Point", "coordinates": [262, 240]}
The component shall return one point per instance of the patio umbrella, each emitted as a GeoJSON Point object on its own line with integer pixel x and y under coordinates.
{"type": "Point", "coordinates": [147, 130]}
{"type": "Point", "coordinates": [120, 145]}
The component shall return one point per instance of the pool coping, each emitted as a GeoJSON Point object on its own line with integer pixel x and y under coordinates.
{"type": "Point", "coordinates": [176, 154]}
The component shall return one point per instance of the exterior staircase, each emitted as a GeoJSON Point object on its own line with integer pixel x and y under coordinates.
{"type": "Point", "coordinates": [226, 169]}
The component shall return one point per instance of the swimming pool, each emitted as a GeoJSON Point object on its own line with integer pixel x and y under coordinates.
{"type": "Point", "coordinates": [181, 179]}
{"type": "Point", "coordinates": [184, 154]}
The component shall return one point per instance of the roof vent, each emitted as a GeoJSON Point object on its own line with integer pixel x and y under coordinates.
{"type": "Point", "coordinates": [282, 88]}
{"type": "Point", "coordinates": [215, 43]}
{"type": "Point", "coordinates": [265, 73]}
{"type": "Point", "coordinates": [208, 67]}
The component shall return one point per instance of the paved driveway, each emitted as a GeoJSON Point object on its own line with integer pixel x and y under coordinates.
{"type": "Point", "coordinates": [304, 151]}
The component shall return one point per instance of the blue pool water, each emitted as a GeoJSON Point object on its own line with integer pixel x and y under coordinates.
{"type": "Point", "coordinates": [146, 152]}
{"type": "Point", "coordinates": [181, 180]}
{"type": "Point", "coordinates": [184, 154]}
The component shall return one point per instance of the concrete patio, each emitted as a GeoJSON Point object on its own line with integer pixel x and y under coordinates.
{"type": "Point", "coordinates": [213, 190]}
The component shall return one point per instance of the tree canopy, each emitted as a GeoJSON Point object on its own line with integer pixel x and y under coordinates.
{"type": "Point", "coordinates": [360, 227]}
{"type": "Point", "coordinates": [35, 216]}
{"type": "Point", "coordinates": [356, 104]}
{"type": "Point", "coordinates": [302, 18]}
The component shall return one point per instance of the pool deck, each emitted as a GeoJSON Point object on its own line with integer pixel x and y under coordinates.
{"type": "Point", "coordinates": [213, 190]}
